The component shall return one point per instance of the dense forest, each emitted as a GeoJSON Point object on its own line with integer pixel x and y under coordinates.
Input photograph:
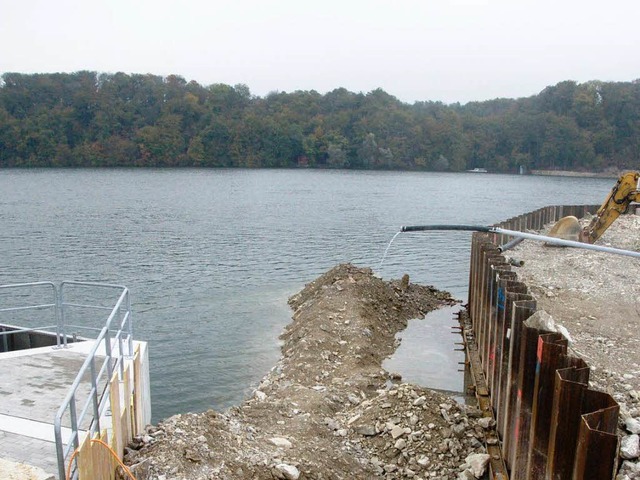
{"type": "Point", "coordinates": [91, 119]}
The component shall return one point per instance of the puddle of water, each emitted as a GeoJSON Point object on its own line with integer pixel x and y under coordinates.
{"type": "Point", "coordinates": [426, 353]}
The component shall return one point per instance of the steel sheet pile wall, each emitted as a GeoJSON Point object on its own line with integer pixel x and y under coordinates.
{"type": "Point", "coordinates": [550, 424]}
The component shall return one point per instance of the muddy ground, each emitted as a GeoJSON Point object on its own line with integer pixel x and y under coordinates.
{"type": "Point", "coordinates": [328, 410]}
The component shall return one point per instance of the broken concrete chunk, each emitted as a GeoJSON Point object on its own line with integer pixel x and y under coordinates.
{"type": "Point", "coordinates": [477, 463]}
{"type": "Point", "coordinates": [366, 430]}
{"type": "Point", "coordinates": [542, 321]}
{"type": "Point", "coordinates": [630, 447]}
{"type": "Point", "coordinates": [486, 422]}
{"type": "Point", "coordinates": [280, 442]}
{"type": "Point", "coordinates": [632, 425]}
{"type": "Point", "coordinates": [289, 472]}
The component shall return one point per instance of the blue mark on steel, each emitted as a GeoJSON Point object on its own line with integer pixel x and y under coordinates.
{"type": "Point", "coordinates": [501, 299]}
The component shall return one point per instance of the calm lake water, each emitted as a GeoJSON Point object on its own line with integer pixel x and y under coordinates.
{"type": "Point", "coordinates": [211, 256]}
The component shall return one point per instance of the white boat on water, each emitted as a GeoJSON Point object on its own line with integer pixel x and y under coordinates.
{"type": "Point", "coordinates": [478, 170]}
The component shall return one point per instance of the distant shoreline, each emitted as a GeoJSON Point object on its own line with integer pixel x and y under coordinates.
{"type": "Point", "coordinates": [569, 173]}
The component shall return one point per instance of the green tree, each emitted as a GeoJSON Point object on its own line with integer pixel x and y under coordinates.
{"type": "Point", "coordinates": [162, 145]}
{"type": "Point", "coordinates": [84, 118]}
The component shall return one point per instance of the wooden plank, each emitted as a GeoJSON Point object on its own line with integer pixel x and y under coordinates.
{"type": "Point", "coordinates": [137, 392]}
{"type": "Point", "coordinates": [127, 387]}
{"type": "Point", "coordinates": [114, 396]}
{"type": "Point", "coordinates": [85, 460]}
{"type": "Point", "coordinates": [104, 458]}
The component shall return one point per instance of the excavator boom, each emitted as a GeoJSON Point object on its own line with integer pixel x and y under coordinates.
{"type": "Point", "coordinates": [623, 193]}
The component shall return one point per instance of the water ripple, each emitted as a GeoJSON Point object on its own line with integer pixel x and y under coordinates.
{"type": "Point", "coordinates": [211, 256]}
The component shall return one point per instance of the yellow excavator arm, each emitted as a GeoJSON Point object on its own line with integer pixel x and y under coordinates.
{"type": "Point", "coordinates": [623, 193]}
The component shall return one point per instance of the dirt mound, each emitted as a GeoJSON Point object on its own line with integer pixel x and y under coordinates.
{"type": "Point", "coordinates": [327, 409]}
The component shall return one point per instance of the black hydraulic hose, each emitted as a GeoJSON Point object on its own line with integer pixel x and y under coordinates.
{"type": "Point", "coordinates": [465, 228]}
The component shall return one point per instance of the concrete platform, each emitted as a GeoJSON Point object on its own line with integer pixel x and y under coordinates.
{"type": "Point", "coordinates": [34, 384]}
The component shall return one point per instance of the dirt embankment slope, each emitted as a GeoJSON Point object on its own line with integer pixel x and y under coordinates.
{"type": "Point", "coordinates": [328, 410]}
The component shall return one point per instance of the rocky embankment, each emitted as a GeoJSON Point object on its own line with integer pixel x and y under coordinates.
{"type": "Point", "coordinates": [328, 410]}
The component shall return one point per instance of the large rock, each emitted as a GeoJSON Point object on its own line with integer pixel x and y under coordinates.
{"type": "Point", "coordinates": [630, 447]}
{"type": "Point", "coordinates": [366, 430]}
{"type": "Point", "coordinates": [288, 472]}
{"type": "Point", "coordinates": [486, 422]}
{"type": "Point", "coordinates": [477, 463]}
{"type": "Point", "coordinates": [280, 442]}
{"type": "Point", "coordinates": [632, 425]}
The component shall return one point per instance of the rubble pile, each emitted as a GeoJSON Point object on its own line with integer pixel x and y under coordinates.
{"type": "Point", "coordinates": [411, 431]}
{"type": "Point", "coordinates": [327, 409]}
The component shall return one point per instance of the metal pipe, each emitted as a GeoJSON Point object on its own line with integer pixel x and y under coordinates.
{"type": "Point", "coordinates": [465, 228]}
{"type": "Point", "coordinates": [31, 307]}
{"type": "Point", "coordinates": [94, 395]}
{"type": "Point", "coordinates": [565, 243]}
{"type": "Point", "coordinates": [57, 433]}
{"type": "Point", "coordinates": [510, 244]}
{"type": "Point", "coordinates": [127, 318]}
{"type": "Point", "coordinates": [60, 309]}
{"type": "Point", "coordinates": [523, 235]}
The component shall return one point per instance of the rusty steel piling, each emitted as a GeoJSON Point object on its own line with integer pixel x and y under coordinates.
{"type": "Point", "coordinates": [571, 383]}
{"type": "Point", "coordinates": [596, 452]}
{"type": "Point", "coordinates": [519, 453]}
{"type": "Point", "coordinates": [549, 424]}
{"type": "Point", "coordinates": [515, 291]}
{"type": "Point", "coordinates": [551, 346]}
{"type": "Point", "coordinates": [522, 309]}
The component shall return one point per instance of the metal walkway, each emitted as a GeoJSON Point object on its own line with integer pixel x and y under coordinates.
{"type": "Point", "coordinates": [35, 383]}
{"type": "Point", "coordinates": [57, 385]}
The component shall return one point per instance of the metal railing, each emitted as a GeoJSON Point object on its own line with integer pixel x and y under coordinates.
{"type": "Point", "coordinates": [96, 402]}
{"type": "Point", "coordinates": [81, 411]}
{"type": "Point", "coordinates": [53, 305]}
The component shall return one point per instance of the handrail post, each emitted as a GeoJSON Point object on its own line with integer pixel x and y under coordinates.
{"type": "Point", "coordinates": [75, 431]}
{"type": "Point", "coordinates": [57, 433]}
{"type": "Point", "coordinates": [56, 300]}
{"type": "Point", "coordinates": [121, 356]}
{"type": "Point", "coordinates": [107, 348]}
{"type": "Point", "coordinates": [94, 385]}
{"type": "Point", "coordinates": [61, 307]}
{"type": "Point", "coordinates": [130, 321]}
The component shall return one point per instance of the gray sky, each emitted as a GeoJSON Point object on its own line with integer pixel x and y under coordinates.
{"type": "Point", "coordinates": [447, 50]}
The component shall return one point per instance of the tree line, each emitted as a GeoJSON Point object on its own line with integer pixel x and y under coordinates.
{"type": "Point", "coordinates": [89, 119]}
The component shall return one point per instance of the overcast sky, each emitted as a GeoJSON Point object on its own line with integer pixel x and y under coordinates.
{"type": "Point", "coordinates": [446, 50]}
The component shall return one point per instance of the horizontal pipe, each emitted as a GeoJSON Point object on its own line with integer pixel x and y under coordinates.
{"type": "Point", "coordinates": [564, 243]}
{"type": "Point", "coordinates": [31, 307]}
{"type": "Point", "coordinates": [466, 228]}
{"type": "Point", "coordinates": [524, 235]}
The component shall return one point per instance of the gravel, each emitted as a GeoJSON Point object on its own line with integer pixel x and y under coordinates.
{"type": "Point", "coordinates": [327, 409]}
